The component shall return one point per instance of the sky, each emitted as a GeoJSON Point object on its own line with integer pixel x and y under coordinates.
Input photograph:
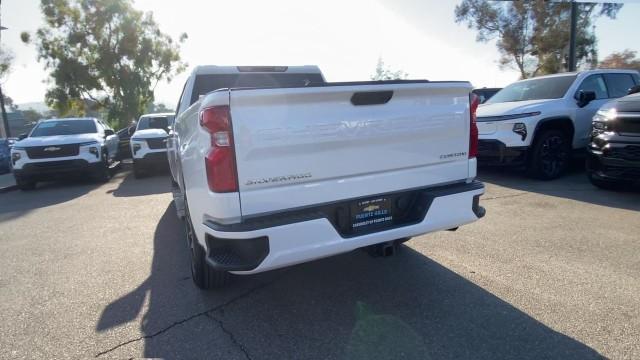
{"type": "Point", "coordinates": [344, 37]}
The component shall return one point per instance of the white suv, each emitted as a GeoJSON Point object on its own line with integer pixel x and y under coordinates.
{"type": "Point", "coordinates": [64, 147]}
{"type": "Point", "coordinates": [538, 122]}
{"type": "Point", "coordinates": [149, 142]}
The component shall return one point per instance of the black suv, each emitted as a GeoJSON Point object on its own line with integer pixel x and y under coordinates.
{"type": "Point", "coordinates": [614, 152]}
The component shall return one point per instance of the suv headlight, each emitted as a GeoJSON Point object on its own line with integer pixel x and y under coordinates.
{"type": "Point", "coordinates": [602, 121]}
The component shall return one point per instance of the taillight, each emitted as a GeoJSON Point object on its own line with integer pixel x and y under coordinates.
{"type": "Point", "coordinates": [220, 161]}
{"type": "Point", "coordinates": [474, 101]}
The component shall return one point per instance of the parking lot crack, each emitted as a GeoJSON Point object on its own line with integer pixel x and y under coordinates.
{"type": "Point", "coordinates": [230, 334]}
{"type": "Point", "coordinates": [505, 196]}
{"type": "Point", "coordinates": [189, 318]}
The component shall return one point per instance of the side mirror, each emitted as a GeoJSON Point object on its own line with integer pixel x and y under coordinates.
{"type": "Point", "coordinates": [634, 90]}
{"type": "Point", "coordinates": [22, 136]}
{"type": "Point", "coordinates": [108, 132]}
{"type": "Point", "coordinates": [585, 97]}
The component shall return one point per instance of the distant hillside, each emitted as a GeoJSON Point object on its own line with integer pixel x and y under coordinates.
{"type": "Point", "coordinates": [37, 106]}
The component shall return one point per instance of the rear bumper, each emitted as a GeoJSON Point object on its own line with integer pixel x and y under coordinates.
{"type": "Point", "coordinates": [44, 170]}
{"type": "Point", "coordinates": [495, 152]}
{"type": "Point", "coordinates": [277, 240]}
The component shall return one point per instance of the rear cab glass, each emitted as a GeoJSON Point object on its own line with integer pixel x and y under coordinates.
{"type": "Point", "coordinates": [211, 82]}
{"type": "Point", "coordinates": [64, 127]}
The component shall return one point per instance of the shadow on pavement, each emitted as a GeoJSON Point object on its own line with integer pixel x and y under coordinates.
{"type": "Point", "coordinates": [574, 185]}
{"type": "Point", "coordinates": [348, 306]}
{"type": "Point", "coordinates": [18, 203]}
{"type": "Point", "coordinates": [156, 183]}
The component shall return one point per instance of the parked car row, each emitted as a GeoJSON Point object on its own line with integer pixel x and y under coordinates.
{"type": "Point", "coordinates": [58, 148]}
{"type": "Point", "coordinates": [540, 123]}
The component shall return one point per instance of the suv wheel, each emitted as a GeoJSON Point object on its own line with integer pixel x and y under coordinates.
{"type": "Point", "coordinates": [103, 174]}
{"type": "Point", "coordinates": [203, 275]}
{"type": "Point", "coordinates": [550, 155]}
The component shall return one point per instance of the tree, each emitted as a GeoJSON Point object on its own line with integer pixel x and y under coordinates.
{"type": "Point", "coordinates": [6, 60]}
{"type": "Point", "coordinates": [621, 60]}
{"type": "Point", "coordinates": [534, 35]}
{"type": "Point", "coordinates": [31, 116]}
{"type": "Point", "coordinates": [158, 108]}
{"type": "Point", "coordinates": [385, 73]}
{"type": "Point", "coordinates": [106, 52]}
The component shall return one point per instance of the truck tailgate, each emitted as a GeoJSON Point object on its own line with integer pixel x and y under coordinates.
{"type": "Point", "coordinates": [304, 146]}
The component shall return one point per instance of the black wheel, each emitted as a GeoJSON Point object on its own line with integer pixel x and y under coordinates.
{"type": "Point", "coordinates": [603, 184]}
{"type": "Point", "coordinates": [103, 174]}
{"type": "Point", "coordinates": [25, 184]}
{"type": "Point", "coordinates": [550, 155]}
{"type": "Point", "coordinates": [203, 275]}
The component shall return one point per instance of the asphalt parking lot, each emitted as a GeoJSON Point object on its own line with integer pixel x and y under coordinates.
{"type": "Point", "coordinates": [101, 270]}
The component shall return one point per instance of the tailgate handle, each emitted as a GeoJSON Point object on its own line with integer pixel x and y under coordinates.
{"type": "Point", "coordinates": [371, 97]}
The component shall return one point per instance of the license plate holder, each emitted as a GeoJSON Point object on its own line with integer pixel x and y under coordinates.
{"type": "Point", "coordinates": [371, 214]}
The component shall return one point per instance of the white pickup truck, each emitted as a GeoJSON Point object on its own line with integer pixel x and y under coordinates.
{"type": "Point", "coordinates": [273, 166]}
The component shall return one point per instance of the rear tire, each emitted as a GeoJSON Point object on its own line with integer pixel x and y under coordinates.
{"type": "Point", "coordinates": [204, 276]}
{"type": "Point", "coordinates": [550, 155]}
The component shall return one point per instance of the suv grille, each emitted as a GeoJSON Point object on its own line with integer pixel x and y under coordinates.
{"type": "Point", "coordinates": [53, 151]}
{"type": "Point", "coordinates": [628, 125]}
{"type": "Point", "coordinates": [631, 153]}
{"type": "Point", "coordinates": [157, 143]}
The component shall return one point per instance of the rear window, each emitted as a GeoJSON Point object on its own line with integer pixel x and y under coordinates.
{"type": "Point", "coordinates": [155, 122]}
{"type": "Point", "coordinates": [64, 127]}
{"type": "Point", "coordinates": [207, 83]}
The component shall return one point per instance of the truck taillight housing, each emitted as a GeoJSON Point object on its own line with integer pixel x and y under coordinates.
{"type": "Point", "coordinates": [220, 162]}
{"type": "Point", "coordinates": [474, 101]}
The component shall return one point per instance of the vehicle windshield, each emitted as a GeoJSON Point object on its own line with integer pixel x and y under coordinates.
{"type": "Point", "coordinates": [535, 89]}
{"type": "Point", "coordinates": [207, 83]}
{"type": "Point", "coordinates": [155, 122]}
{"type": "Point", "coordinates": [64, 127]}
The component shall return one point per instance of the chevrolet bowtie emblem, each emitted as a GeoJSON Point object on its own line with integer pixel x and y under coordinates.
{"type": "Point", "coordinates": [371, 208]}
{"type": "Point", "coordinates": [52, 148]}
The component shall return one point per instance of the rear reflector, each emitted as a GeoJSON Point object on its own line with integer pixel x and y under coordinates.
{"type": "Point", "coordinates": [220, 162]}
{"type": "Point", "coordinates": [474, 101]}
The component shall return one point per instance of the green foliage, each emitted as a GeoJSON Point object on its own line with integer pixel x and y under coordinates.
{"type": "Point", "coordinates": [534, 35]}
{"type": "Point", "coordinates": [31, 116]}
{"type": "Point", "coordinates": [105, 52]}
{"type": "Point", "coordinates": [385, 73]}
{"type": "Point", "coordinates": [6, 60]}
{"type": "Point", "coordinates": [621, 60]}
{"type": "Point", "coordinates": [158, 108]}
